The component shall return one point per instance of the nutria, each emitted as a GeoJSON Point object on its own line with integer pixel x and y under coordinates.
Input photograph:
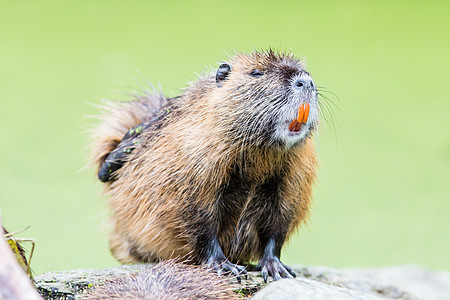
{"type": "Point", "coordinates": [217, 174]}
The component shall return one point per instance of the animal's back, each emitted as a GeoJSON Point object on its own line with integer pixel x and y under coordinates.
{"type": "Point", "coordinates": [119, 117]}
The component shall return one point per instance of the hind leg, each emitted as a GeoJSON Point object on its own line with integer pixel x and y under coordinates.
{"type": "Point", "coordinates": [125, 250]}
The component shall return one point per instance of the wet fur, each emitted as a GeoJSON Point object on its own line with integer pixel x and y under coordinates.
{"type": "Point", "coordinates": [209, 165]}
{"type": "Point", "coordinates": [167, 280]}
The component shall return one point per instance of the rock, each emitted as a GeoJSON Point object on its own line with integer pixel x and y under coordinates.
{"type": "Point", "coordinates": [399, 282]}
{"type": "Point", "coordinates": [71, 284]}
{"type": "Point", "coordinates": [307, 289]}
{"type": "Point", "coordinates": [418, 281]}
{"type": "Point", "coordinates": [402, 282]}
{"type": "Point", "coordinates": [354, 279]}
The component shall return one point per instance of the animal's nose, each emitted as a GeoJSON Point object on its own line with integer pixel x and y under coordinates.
{"type": "Point", "coordinates": [303, 83]}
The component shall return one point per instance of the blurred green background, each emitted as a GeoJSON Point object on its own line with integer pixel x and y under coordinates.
{"type": "Point", "coordinates": [383, 192]}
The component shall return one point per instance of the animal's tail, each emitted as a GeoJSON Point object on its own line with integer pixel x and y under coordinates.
{"type": "Point", "coordinates": [117, 118]}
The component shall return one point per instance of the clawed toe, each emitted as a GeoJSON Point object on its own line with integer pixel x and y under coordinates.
{"type": "Point", "coordinates": [275, 268]}
{"type": "Point", "coordinates": [225, 266]}
{"type": "Point", "coordinates": [289, 269]}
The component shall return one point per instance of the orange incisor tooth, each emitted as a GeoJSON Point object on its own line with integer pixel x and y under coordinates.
{"type": "Point", "coordinates": [301, 112]}
{"type": "Point", "coordinates": [305, 116]}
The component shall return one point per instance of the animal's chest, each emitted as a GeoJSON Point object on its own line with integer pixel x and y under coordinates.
{"type": "Point", "coordinates": [233, 199]}
{"type": "Point", "coordinates": [242, 195]}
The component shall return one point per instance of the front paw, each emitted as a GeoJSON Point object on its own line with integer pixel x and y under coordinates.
{"type": "Point", "coordinates": [274, 267]}
{"type": "Point", "coordinates": [223, 265]}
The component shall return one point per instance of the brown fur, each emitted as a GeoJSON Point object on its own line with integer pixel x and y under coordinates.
{"type": "Point", "coordinates": [168, 190]}
{"type": "Point", "coordinates": [165, 281]}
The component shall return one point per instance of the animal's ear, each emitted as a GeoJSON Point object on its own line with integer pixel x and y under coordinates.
{"type": "Point", "coordinates": [222, 73]}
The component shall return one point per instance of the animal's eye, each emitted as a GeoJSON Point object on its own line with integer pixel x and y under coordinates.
{"type": "Point", "coordinates": [257, 73]}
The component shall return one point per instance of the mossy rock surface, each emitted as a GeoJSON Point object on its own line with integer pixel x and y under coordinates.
{"type": "Point", "coordinates": [312, 282]}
